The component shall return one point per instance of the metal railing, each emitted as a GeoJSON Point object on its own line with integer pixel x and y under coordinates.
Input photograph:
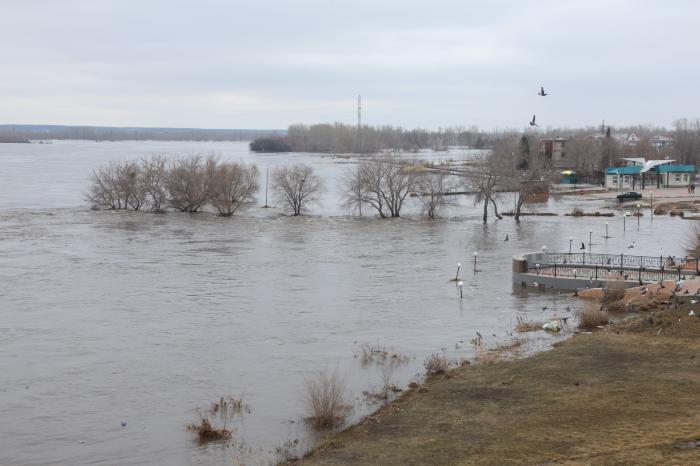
{"type": "Point", "coordinates": [613, 267]}
{"type": "Point", "coordinates": [621, 260]}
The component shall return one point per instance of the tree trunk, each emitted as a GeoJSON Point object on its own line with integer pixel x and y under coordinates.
{"type": "Point", "coordinates": [519, 204]}
{"type": "Point", "coordinates": [495, 210]}
{"type": "Point", "coordinates": [486, 208]}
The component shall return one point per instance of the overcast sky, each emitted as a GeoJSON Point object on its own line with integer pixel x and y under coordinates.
{"type": "Point", "coordinates": [266, 64]}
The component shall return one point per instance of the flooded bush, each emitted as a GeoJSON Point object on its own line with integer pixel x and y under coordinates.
{"type": "Point", "coordinates": [436, 364]}
{"type": "Point", "coordinates": [592, 316]}
{"type": "Point", "coordinates": [374, 353]}
{"type": "Point", "coordinates": [206, 432]}
{"type": "Point", "coordinates": [577, 212]}
{"type": "Point", "coordinates": [187, 184]}
{"type": "Point", "coordinates": [224, 411]}
{"type": "Point", "coordinates": [326, 400]}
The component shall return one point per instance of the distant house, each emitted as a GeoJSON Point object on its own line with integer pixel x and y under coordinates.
{"type": "Point", "coordinates": [553, 152]}
{"type": "Point", "coordinates": [639, 173]}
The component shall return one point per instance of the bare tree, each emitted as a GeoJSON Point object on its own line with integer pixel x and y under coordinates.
{"type": "Point", "coordinates": [381, 184]}
{"type": "Point", "coordinates": [296, 187]}
{"type": "Point", "coordinates": [482, 176]}
{"type": "Point", "coordinates": [434, 192]}
{"type": "Point", "coordinates": [187, 184]}
{"type": "Point", "coordinates": [117, 186]}
{"type": "Point", "coordinates": [154, 175]}
{"type": "Point", "coordinates": [231, 185]}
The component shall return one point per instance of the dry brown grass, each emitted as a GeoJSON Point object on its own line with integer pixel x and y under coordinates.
{"type": "Point", "coordinates": [206, 432]}
{"type": "Point", "coordinates": [226, 409]}
{"type": "Point", "coordinates": [326, 400]}
{"type": "Point", "coordinates": [620, 396]}
{"type": "Point", "coordinates": [592, 316]}
{"type": "Point", "coordinates": [523, 326]}
{"type": "Point", "coordinates": [436, 364]}
{"type": "Point", "coordinates": [615, 291]}
{"type": "Point", "coordinates": [378, 354]}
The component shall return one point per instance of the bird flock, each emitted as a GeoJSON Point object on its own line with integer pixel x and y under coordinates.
{"type": "Point", "coordinates": [540, 93]}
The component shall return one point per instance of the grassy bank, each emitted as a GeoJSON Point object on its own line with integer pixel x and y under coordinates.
{"type": "Point", "coordinates": [627, 394]}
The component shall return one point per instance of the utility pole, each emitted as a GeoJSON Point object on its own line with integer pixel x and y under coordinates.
{"type": "Point", "coordinates": [359, 123]}
{"type": "Point", "coordinates": [267, 178]}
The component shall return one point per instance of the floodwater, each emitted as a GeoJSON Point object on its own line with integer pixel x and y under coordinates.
{"type": "Point", "coordinates": [144, 318]}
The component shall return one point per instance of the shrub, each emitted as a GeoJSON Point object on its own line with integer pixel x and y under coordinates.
{"type": "Point", "coordinates": [326, 400]}
{"type": "Point", "coordinates": [206, 432]}
{"type": "Point", "coordinates": [577, 212]}
{"type": "Point", "coordinates": [615, 291]}
{"type": "Point", "coordinates": [436, 364]}
{"type": "Point", "coordinates": [592, 316]}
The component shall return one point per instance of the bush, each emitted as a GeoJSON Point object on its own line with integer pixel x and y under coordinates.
{"type": "Point", "coordinates": [615, 291]}
{"type": "Point", "coordinates": [326, 400]}
{"type": "Point", "coordinates": [577, 212]}
{"type": "Point", "coordinates": [208, 433]}
{"type": "Point", "coordinates": [436, 364]}
{"type": "Point", "coordinates": [592, 316]}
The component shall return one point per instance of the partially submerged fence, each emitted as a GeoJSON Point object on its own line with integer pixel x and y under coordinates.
{"type": "Point", "coordinates": [604, 267]}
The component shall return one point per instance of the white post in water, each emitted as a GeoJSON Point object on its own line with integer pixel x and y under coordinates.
{"type": "Point", "coordinates": [571, 240]}
{"type": "Point", "coordinates": [590, 242]}
{"type": "Point", "coordinates": [475, 254]}
{"type": "Point", "coordinates": [651, 205]}
{"type": "Point", "coordinates": [460, 284]}
{"type": "Point", "coordinates": [639, 214]}
{"type": "Point", "coordinates": [459, 266]}
{"type": "Point", "coordinates": [606, 230]}
{"type": "Point", "coordinates": [624, 221]}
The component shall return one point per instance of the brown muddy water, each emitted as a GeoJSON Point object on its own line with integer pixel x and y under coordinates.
{"type": "Point", "coordinates": [108, 317]}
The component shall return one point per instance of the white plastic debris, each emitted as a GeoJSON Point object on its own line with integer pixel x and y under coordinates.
{"type": "Point", "coordinates": [552, 326]}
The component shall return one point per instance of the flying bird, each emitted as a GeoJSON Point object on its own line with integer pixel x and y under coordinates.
{"type": "Point", "coordinates": [542, 92]}
{"type": "Point", "coordinates": [532, 123]}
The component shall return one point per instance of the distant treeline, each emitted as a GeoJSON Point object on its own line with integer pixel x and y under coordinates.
{"type": "Point", "coordinates": [342, 138]}
{"type": "Point", "coordinates": [24, 133]}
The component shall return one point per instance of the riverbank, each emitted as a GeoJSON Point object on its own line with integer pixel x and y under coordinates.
{"type": "Point", "coordinates": [627, 393]}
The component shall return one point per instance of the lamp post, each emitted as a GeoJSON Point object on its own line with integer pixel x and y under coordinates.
{"type": "Point", "coordinates": [475, 255]}
{"type": "Point", "coordinates": [638, 215]}
{"type": "Point", "coordinates": [460, 284]}
{"type": "Point", "coordinates": [651, 205]}
{"type": "Point", "coordinates": [606, 230]}
{"type": "Point", "coordinates": [571, 240]}
{"type": "Point", "coordinates": [459, 266]}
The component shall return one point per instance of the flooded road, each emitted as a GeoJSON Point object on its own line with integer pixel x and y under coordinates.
{"type": "Point", "coordinates": [110, 316]}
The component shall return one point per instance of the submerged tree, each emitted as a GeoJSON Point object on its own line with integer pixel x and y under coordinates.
{"type": "Point", "coordinates": [482, 176]}
{"type": "Point", "coordinates": [382, 184]}
{"type": "Point", "coordinates": [435, 189]}
{"type": "Point", "coordinates": [296, 187]}
{"type": "Point", "coordinates": [117, 186]}
{"type": "Point", "coordinates": [187, 184]}
{"type": "Point", "coordinates": [154, 176]}
{"type": "Point", "coordinates": [231, 185]}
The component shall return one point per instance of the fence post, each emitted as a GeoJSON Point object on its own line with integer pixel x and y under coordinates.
{"type": "Point", "coordinates": [622, 257]}
{"type": "Point", "coordinates": [555, 269]}
{"type": "Point", "coordinates": [640, 273]}
{"type": "Point", "coordinates": [596, 271]}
